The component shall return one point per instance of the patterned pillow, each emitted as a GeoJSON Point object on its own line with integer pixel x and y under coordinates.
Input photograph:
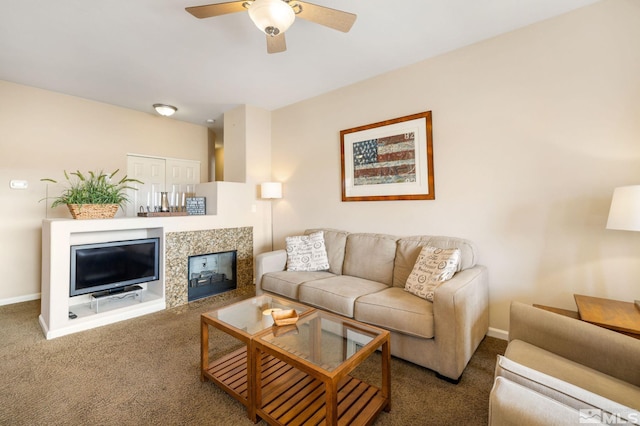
{"type": "Point", "coordinates": [307, 253]}
{"type": "Point", "coordinates": [433, 267]}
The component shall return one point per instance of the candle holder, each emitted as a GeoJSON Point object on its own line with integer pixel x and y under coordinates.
{"type": "Point", "coordinates": [164, 202]}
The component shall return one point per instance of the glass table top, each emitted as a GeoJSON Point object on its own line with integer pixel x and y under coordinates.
{"type": "Point", "coordinates": [324, 339]}
{"type": "Point", "coordinates": [254, 315]}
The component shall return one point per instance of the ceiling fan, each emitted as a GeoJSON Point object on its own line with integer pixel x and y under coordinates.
{"type": "Point", "coordinates": [274, 17]}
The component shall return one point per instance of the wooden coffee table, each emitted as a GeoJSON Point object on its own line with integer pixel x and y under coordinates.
{"type": "Point", "coordinates": [304, 372]}
{"type": "Point", "coordinates": [243, 320]}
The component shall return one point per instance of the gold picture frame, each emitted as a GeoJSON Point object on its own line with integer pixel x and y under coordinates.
{"type": "Point", "coordinates": [389, 160]}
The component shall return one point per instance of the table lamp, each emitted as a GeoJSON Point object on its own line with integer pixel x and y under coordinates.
{"type": "Point", "coordinates": [624, 213]}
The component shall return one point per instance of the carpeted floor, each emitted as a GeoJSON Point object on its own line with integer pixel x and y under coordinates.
{"type": "Point", "coordinates": [145, 371]}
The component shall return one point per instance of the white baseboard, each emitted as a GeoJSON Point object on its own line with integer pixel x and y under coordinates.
{"type": "Point", "coordinates": [26, 298]}
{"type": "Point", "coordinates": [498, 334]}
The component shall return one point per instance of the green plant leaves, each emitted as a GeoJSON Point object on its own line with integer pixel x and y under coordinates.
{"type": "Point", "coordinates": [93, 188]}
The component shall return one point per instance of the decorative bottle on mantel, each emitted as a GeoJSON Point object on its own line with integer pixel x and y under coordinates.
{"type": "Point", "coordinates": [164, 202]}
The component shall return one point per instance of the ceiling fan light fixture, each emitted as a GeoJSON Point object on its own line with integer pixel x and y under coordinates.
{"type": "Point", "coordinates": [165, 110]}
{"type": "Point", "coordinates": [271, 16]}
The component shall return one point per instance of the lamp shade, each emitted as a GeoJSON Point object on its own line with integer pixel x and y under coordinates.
{"type": "Point", "coordinates": [624, 213]}
{"type": "Point", "coordinates": [271, 190]}
{"type": "Point", "coordinates": [271, 16]}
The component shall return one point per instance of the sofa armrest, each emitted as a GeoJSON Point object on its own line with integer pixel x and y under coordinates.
{"type": "Point", "coordinates": [595, 347]}
{"type": "Point", "coordinates": [272, 261]}
{"type": "Point", "coordinates": [461, 318]}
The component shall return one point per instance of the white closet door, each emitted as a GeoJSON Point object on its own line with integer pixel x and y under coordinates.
{"type": "Point", "coordinates": [182, 176]}
{"type": "Point", "coordinates": [151, 171]}
{"type": "Point", "coordinates": [174, 176]}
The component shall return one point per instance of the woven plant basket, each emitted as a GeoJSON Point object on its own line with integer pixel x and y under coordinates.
{"type": "Point", "coordinates": [93, 211]}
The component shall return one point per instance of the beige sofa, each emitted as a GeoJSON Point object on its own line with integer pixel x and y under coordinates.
{"type": "Point", "coordinates": [366, 281]}
{"type": "Point", "coordinates": [558, 370]}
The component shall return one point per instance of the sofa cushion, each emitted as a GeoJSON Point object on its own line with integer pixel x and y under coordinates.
{"type": "Point", "coordinates": [409, 248]}
{"type": "Point", "coordinates": [370, 256]}
{"type": "Point", "coordinates": [433, 267]}
{"type": "Point", "coordinates": [577, 374]}
{"type": "Point", "coordinates": [396, 310]}
{"type": "Point", "coordinates": [337, 294]}
{"type": "Point", "coordinates": [335, 242]}
{"type": "Point", "coordinates": [307, 253]}
{"type": "Point", "coordinates": [286, 283]}
{"type": "Point", "coordinates": [559, 390]}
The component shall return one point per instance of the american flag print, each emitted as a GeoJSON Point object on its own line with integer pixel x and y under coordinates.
{"type": "Point", "coordinates": [390, 159]}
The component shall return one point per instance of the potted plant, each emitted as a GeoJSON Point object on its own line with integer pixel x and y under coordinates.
{"type": "Point", "coordinates": [93, 195]}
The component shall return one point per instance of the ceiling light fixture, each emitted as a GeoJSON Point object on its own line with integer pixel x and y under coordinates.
{"type": "Point", "coordinates": [271, 16]}
{"type": "Point", "coordinates": [165, 110]}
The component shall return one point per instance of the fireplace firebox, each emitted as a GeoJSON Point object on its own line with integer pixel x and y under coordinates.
{"type": "Point", "coordinates": [211, 273]}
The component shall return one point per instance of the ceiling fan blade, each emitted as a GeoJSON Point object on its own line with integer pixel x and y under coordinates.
{"type": "Point", "coordinates": [332, 18]}
{"type": "Point", "coordinates": [276, 44]}
{"type": "Point", "coordinates": [209, 10]}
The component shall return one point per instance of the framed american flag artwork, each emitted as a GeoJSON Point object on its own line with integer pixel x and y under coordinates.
{"type": "Point", "coordinates": [389, 160]}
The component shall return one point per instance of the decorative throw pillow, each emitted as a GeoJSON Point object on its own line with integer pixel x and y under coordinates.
{"type": "Point", "coordinates": [307, 253]}
{"type": "Point", "coordinates": [433, 267]}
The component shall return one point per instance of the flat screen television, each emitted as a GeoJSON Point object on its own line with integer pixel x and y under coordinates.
{"type": "Point", "coordinates": [113, 265]}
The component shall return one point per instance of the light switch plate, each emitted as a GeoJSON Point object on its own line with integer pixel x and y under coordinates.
{"type": "Point", "coordinates": [19, 184]}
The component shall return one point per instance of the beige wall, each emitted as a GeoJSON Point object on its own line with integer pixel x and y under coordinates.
{"type": "Point", "coordinates": [532, 131]}
{"type": "Point", "coordinates": [235, 129]}
{"type": "Point", "coordinates": [42, 133]}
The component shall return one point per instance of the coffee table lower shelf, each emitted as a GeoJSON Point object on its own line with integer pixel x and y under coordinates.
{"type": "Point", "coordinates": [291, 397]}
{"type": "Point", "coordinates": [230, 373]}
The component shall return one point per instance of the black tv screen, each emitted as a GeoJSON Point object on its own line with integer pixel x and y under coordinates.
{"type": "Point", "coordinates": [112, 265]}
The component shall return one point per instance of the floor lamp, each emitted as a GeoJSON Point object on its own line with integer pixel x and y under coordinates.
{"type": "Point", "coordinates": [271, 191]}
{"type": "Point", "coordinates": [624, 213]}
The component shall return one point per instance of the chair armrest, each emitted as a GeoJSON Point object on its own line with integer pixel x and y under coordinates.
{"type": "Point", "coordinates": [514, 404]}
{"type": "Point", "coordinates": [272, 261]}
{"type": "Point", "coordinates": [461, 317]}
{"type": "Point", "coordinates": [604, 350]}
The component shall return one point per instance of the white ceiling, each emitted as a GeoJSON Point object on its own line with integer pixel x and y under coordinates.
{"type": "Point", "coordinates": [134, 53]}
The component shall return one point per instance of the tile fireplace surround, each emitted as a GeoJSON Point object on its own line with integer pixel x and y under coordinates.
{"type": "Point", "coordinates": [180, 245]}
